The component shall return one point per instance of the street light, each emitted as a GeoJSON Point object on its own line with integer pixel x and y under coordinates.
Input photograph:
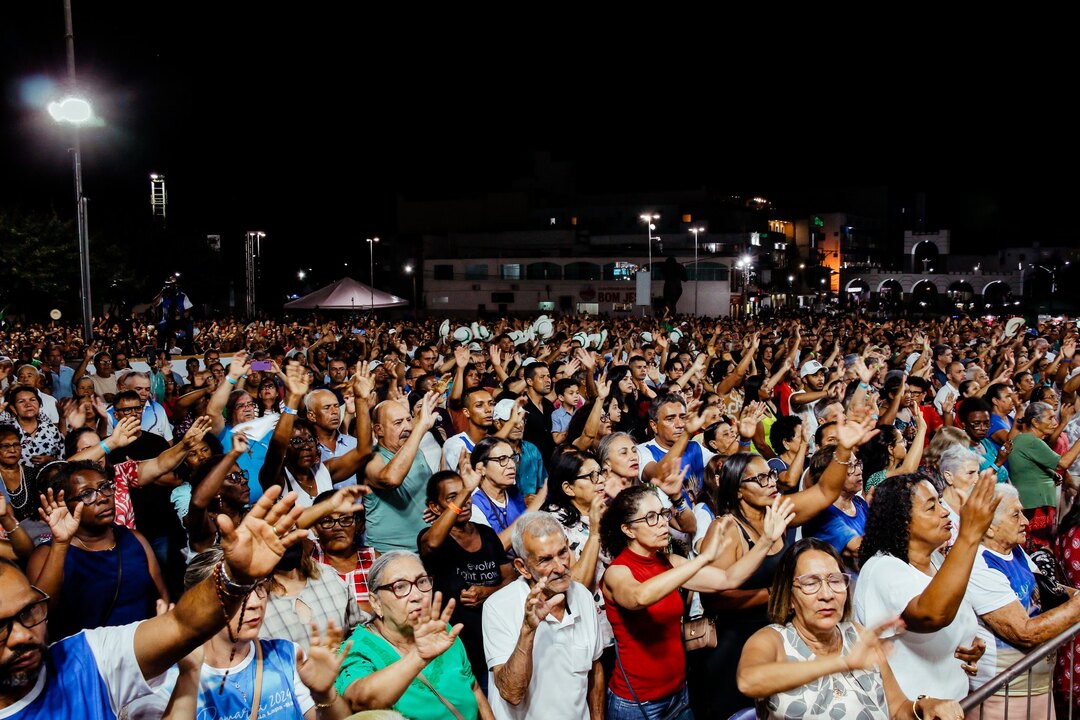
{"type": "Point", "coordinates": [77, 111]}
{"type": "Point", "coordinates": [371, 254]}
{"type": "Point", "coordinates": [409, 271]}
{"type": "Point", "coordinates": [648, 218]}
{"type": "Point", "coordinates": [697, 278]}
{"type": "Point", "coordinates": [301, 275]}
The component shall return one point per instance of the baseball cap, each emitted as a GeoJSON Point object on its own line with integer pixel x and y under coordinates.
{"type": "Point", "coordinates": [374, 364]}
{"type": "Point", "coordinates": [811, 367]}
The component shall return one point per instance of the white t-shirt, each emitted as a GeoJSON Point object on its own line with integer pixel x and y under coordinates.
{"type": "Point", "coordinates": [924, 663]}
{"type": "Point", "coordinates": [451, 450]}
{"type": "Point", "coordinates": [323, 482]}
{"type": "Point", "coordinates": [563, 653]}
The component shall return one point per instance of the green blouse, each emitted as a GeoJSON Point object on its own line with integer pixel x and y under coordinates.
{"type": "Point", "coordinates": [449, 673]}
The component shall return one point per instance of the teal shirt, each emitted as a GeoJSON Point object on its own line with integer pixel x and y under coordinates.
{"type": "Point", "coordinates": [450, 674]}
{"type": "Point", "coordinates": [1031, 467]}
{"type": "Point", "coordinates": [530, 471]}
{"type": "Point", "coordinates": [396, 516]}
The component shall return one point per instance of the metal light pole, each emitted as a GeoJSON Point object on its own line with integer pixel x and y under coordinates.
{"type": "Point", "coordinates": [648, 218]}
{"type": "Point", "coordinates": [410, 271]}
{"type": "Point", "coordinates": [77, 111]}
{"type": "Point", "coordinates": [697, 276]}
{"type": "Point", "coordinates": [371, 255]}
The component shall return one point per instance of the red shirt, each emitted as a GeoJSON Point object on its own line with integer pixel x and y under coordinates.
{"type": "Point", "coordinates": [649, 640]}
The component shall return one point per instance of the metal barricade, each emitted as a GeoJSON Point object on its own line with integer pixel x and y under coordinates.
{"type": "Point", "coordinates": [978, 698]}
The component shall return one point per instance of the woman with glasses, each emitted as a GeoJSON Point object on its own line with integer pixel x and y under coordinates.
{"type": "Point", "coordinates": [97, 573]}
{"type": "Point", "coordinates": [468, 560]}
{"type": "Point", "coordinates": [641, 592]}
{"type": "Point", "coordinates": [903, 575]}
{"type": "Point", "coordinates": [339, 545]}
{"type": "Point", "coordinates": [497, 500]}
{"type": "Point", "coordinates": [813, 662]}
{"type": "Point", "coordinates": [746, 488]}
{"type": "Point", "coordinates": [408, 658]}
{"type": "Point", "coordinates": [842, 524]}
{"type": "Point", "coordinates": [235, 674]}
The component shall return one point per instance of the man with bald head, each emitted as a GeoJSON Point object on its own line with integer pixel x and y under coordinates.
{"type": "Point", "coordinates": [324, 412]}
{"type": "Point", "coordinates": [398, 475]}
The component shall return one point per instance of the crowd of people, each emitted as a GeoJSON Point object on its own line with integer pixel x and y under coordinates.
{"type": "Point", "coordinates": [677, 517]}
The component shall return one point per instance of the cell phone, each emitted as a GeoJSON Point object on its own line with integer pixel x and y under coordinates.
{"type": "Point", "coordinates": [261, 365]}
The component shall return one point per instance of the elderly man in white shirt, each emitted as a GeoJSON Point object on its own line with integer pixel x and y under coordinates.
{"type": "Point", "coordinates": [542, 635]}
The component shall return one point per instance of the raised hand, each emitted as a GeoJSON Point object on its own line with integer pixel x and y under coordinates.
{"type": "Point", "coordinates": [461, 356]}
{"type": "Point", "coordinates": [254, 547]}
{"type": "Point", "coordinates": [198, 429]}
{"type": "Point", "coordinates": [777, 517]}
{"type": "Point", "coordinates": [347, 500]}
{"type": "Point", "coordinates": [597, 507]}
{"type": "Point", "coordinates": [537, 606]}
{"type": "Point", "coordinates": [873, 650]}
{"type": "Point", "coordinates": [126, 431]}
{"type": "Point", "coordinates": [430, 635]}
{"type": "Point", "coordinates": [240, 365]}
{"type": "Point", "coordinates": [74, 413]}
{"type": "Point", "coordinates": [363, 384]}
{"type": "Point", "coordinates": [325, 657]}
{"type": "Point", "coordinates": [748, 420]}
{"type": "Point", "coordinates": [977, 512]}
{"type": "Point", "coordinates": [672, 484]}
{"type": "Point", "coordinates": [495, 354]}
{"type": "Point", "coordinates": [240, 443]}
{"type": "Point", "coordinates": [55, 513]}
{"type": "Point", "coordinates": [469, 476]}
{"type": "Point", "coordinates": [585, 359]}
{"type": "Point", "coordinates": [295, 382]}
{"type": "Point", "coordinates": [426, 416]}
{"type": "Point", "coordinates": [850, 434]}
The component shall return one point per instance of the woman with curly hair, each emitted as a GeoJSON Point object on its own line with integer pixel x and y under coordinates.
{"type": "Point", "coordinates": [902, 576]}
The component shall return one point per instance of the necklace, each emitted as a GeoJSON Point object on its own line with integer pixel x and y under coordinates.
{"type": "Point", "coordinates": [21, 496]}
{"type": "Point", "coordinates": [86, 547]}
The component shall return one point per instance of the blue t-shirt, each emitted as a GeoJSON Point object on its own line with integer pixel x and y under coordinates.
{"type": "Point", "coordinates": [531, 473]}
{"type": "Point", "coordinates": [251, 461]}
{"type": "Point", "coordinates": [997, 423]}
{"type": "Point", "coordinates": [836, 527]}
{"type": "Point", "coordinates": [89, 676]}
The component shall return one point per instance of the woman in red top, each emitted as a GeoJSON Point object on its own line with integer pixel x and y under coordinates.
{"type": "Point", "coordinates": [641, 588]}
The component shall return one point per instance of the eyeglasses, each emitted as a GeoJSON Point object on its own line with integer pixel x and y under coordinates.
{"type": "Point", "coordinates": [30, 616]}
{"type": "Point", "coordinates": [652, 518]}
{"type": "Point", "coordinates": [262, 588]}
{"type": "Point", "coordinates": [10, 446]}
{"type": "Point", "coordinates": [855, 467]}
{"type": "Point", "coordinates": [240, 477]}
{"type": "Point", "coordinates": [299, 442]}
{"type": "Point", "coordinates": [594, 476]}
{"type": "Point", "coordinates": [137, 410]}
{"type": "Point", "coordinates": [89, 497]}
{"type": "Point", "coordinates": [504, 459]}
{"type": "Point", "coordinates": [403, 588]}
{"type": "Point", "coordinates": [328, 523]}
{"type": "Point", "coordinates": [244, 405]}
{"type": "Point", "coordinates": [810, 584]}
{"type": "Point", "coordinates": [764, 479]}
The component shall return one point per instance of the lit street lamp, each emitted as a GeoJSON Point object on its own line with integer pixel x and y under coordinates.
{"type": "Point", "coordinates": [77, 111]}
{"type": "Point", "coordinates": [697, 277]}
{"type": "Point", "coordinates": [371, 254]}
{"type": "Point", "coordinates": [409, 271]}
{"type": "Point", "coordinates": [648, 218]}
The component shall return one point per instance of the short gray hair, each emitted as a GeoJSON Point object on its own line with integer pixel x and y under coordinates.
{"type": "Point", "coordinates": [1037, 409]}
{"type": "Point", "coordinates": [202, 566]}
{"type": "Point", "coordinates": [309, 399]}
{"type": "Point", "coordinates": [536, 524]}
{"type": "Point", "coordinates": [1003, 491]}
{"type": "Point", "coordinates": [378, 568]}
{"type": "Point", "coordinates": [956, 457]}
{"type": "Point", "coordinates": [604, 450]}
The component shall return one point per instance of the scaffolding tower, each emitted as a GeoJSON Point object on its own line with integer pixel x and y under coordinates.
{"type": "Point", "coordinates": [157, 195]}
{"type": "Point", "coordinates": [252, 251]}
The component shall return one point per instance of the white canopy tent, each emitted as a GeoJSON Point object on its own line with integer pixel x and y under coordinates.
{"type": "Point", "coordinates": [346, 294]}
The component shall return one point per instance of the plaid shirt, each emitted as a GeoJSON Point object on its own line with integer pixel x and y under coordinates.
{"type": "Point", "coordinates": [356, 579]}
{"type": "Point", "coordinates": [326, 597]}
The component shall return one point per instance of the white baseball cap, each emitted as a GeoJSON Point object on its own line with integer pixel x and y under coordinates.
{"type": "Point", "coordinates": [811, 367]}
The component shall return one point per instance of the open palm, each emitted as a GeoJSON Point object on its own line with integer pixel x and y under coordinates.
{"type": "Point", "coordinates": [62, 523]}
{"type": "Point", "coordinates": [254, 547]}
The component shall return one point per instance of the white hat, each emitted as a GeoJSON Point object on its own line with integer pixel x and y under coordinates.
{"type": "Point", "coordinates": [528, 361]}
{"type": "Point", "coordinates": [475, 347]}
{"type": "Point", "coordinates": [811, 367]}
{"type": "Point", "coordinates": [504, 409]}
{"type": "Point", "coordinates": [374, 364]}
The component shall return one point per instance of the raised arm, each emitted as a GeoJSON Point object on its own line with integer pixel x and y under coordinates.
{"type": "Point", "coordinates": [152, 469]}
{"type": "Point", "coordinates": [238, 369]}
{"type": "Point", "coordinates": [295, 389]}
{"type": "Point", "coordinates": [815, 499]}
{"type": "Point", "coordinates": [252, 550]}
{"type": "Point", "coordinates": [440, 529]}
{"type": "Point", "coordinates": [383, 475]}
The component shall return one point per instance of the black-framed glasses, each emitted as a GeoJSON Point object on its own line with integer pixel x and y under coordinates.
{"type": "Point", "coordinates": [137, 410]}
{"type": "Point", "coordinates": [10, 445]}
{"type": "Point", "coordinates": [262, 588]}
{"type": "Point", "coordinates": [30, 616]}
{"type": "Point", "coordinates": [605, 418]}
{"type": "Point", "coordinates": [594, 476]}
{"type": "Point", "coordinates": [765, 479]}
{"type": "Point", "coordinates": [652, 518]}
{"type": "Point", "coordinates": [299, 442]}
{"type": "Point", "coordinates": [504, 459]}
{"type": "Point", "coordinates": [89, 497]}
{"type": "Point", "coordinates": [240, 477]}
{"type": "Point", "coordinates": [810, 584]}
{"type": "Point", "coordinates": [328, 523]}
{"type": "Point", "coordinates": [403, 588]}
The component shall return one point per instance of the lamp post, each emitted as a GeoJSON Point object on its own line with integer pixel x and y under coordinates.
{"type": "Point", "coordinates": [745, 263]}
{"type": "Point", "coordinates": [648, 218]}
{"type": "Point", "coordinates": [409, 270]}
{"type": "Point", "coordinates": [371, 255]}
{"type": "Point", "coordinates": [697, 277]}
{"type": "Point", "coordinates": [77, 111]}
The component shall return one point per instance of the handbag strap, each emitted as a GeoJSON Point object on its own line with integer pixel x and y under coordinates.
{"type": "Point", "coordinates": [258, 680]}
{"type": "Point", "coordinates": [449, 706]}
{"type": "Point", "coordinates": [618, 661]}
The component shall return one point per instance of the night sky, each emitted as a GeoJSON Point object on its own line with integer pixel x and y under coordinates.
{"type": "Point", "coordinates": [308, 124]}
